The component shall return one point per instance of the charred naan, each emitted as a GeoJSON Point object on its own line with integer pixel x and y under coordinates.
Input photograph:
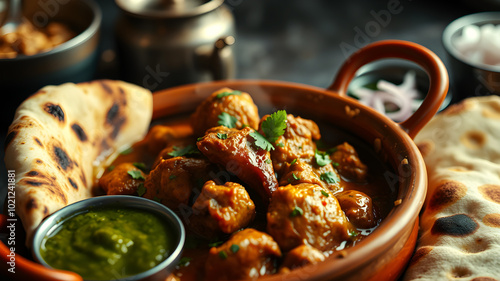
{"type": "Point", "coordinates": [460, 224]}
{"type": "Point", "coordinates": [61, 133]}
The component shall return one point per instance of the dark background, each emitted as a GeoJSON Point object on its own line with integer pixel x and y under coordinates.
{"type": "Point", "coordinates": [301, 41]}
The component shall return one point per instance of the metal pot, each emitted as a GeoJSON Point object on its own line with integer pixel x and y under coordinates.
{"type": "Point", "coordinates": [167, 43]}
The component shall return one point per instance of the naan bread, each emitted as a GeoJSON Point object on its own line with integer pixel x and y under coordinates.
{"type": "Point", "coordinates": [60, 133]}
{"type": "Point", "coordinates": [460, 223]}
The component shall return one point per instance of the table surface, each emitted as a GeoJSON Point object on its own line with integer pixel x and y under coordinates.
{"type": "Point", "coordinates": [307, 41]}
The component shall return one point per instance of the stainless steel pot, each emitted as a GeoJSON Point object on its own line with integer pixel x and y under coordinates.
{"type": "Point", "coordinates": [167, 43]}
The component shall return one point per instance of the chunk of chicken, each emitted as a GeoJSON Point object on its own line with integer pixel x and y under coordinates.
{"type": "Point", "coordinates": [248, 254]}
{"type": "Point", "coordinates": [349, 164]}
{"type": "Point", "coordinates": [124, 179]}
{"type": "Point", "coordinates": [296, 143]}
{"type": "Point", "coordinates": [161, 136]}
{"type": "Point", "coordinates": [221, 209]}
{"type": "Point", "coordinates": [235, 103]}
{"type": "Point", "coordinates": [358, 207]}
{"type": "Point", "coordinates": [173, 180]}
{"type": "Point", "coordinates": [301, 172]}
{"type": "Point", "coordinates": [307, 214]}
{"type": "Point", "coordinates": [301, 256]}
{"type": "Point", "coordinates": [235, 150]}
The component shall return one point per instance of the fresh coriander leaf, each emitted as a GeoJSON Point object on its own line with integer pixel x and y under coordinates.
{"type": "Point", "coordinates": [184, 151]}
{"type": "Point", "coordinates": [331, 150]}
{"type": "Point", "coordinates": [223, 255]}
{"type": "Point", "coordinates": [293, 162]}
{"type": "Point", "coordinates": [322, 158]}
{"type": "Point", "coordinates": [136, 175]}
{"type": "Point", "coordinates": [222, 136]}
{"type": "Point", "coordinates": [127, 151]}
{"type": "Point", "coordinates": [227, 120]}
{"type": "Point", "coordinates": [329, 177]}
{"type": "Point", "coordinates": [274, 126]}
{"type": "Point", "coordinates": [335, 164]}
{"type": "Point", "coordinates": [171, 177]}
{"type": "Point", "coordinates": [184, 261]}
{"type": "Point", "coordinates": [215, 244]}
{"type": "Point", "coordinates": [199, 139]}
{"type": "Point", "coordinates": [261, 141]}
{"type": "Point", "coordinates": [234, 248]}
{"type": "Point", "coordinates": [353, 233]}
{"type": "Point", "coordinates": [268, 161]}
{"type": "Point", "coordinates": [111, 168]}
{"type": "Point", "coordinates": [140, 165]}
{"type": "Point", "coordinates": [228, 93]}
{"type": "Point", "coordinates": [325, 193]}
{"type": "Point", "coordinates": [141, 189]}
{"type": "Point", "coordinates": [157, 199]}
{"type": "Point", "coordinates": [280, 144]}
{"type": "Point", "coordinates": [297, 211]}
{"type": "Point", "coordinates": [295, 177]}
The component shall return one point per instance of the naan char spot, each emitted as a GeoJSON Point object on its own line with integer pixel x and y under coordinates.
{"type": "Point", "coordinates": [37, 140]}
{"type": "Point", "coordinates": [492, 220]}
{"type": "Point", "coordinates": [31, 204]}
{"type": "Point", "coordinates": [115, 119]}
{"type": "Point", "coordinates": [32, 173]}
{"type": "Point", "coordinates": [73, 184]}
{"type": "Point", "coordinates": [473, 139]}
{"type": "Point", "coordinates": [62, 158]}
{"type": "Point", "coordinates": [456, 225]}
{"type": "Point", "coordinates": [446, 193]}
{"type": "Point", "coordinates": [490, 192]}
{"type": "Point", "coordinates": [11, 136]}
{"type": "Point", "coordinates": [54, 110]}
{"type": "Point", "coordinates": [80, 133]}
{"type": "Point", "coordinates": [420, 253]}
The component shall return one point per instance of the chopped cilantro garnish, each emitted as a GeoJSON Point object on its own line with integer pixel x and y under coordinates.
{"type": "Point", "coordinates": [222, 136]}
{"type": "Point", "coordinates": [293, 162]}
{"type": "Point", "coordinates": [325, 193]}
{"type": "Point", "coordinates": [199, 139]}
{"type": "Point", "coordinates": [184, 151]}
{"type": "Point", "coordinates": [127, 151]}
{"type": "Point", "coordinates": [141, 189]}
{"type": "Point", "coordinates": [331, 150]}
{"type": "Point", "coordinates": [171, 177]}
{"type": "Point", "coordinates": [111, 168]}
{"type": "Point", "coordinates": [322, 158]}
{"type": "Point", "coordinates": [335, 164]}
{"type": "Point", "coordinates": [268, 161]}
{"type": "Point", "coordinates": [234, 248]}
{"type": "Point", "coordinates": [140, 165]}
{"type": "Point", "coordinates": [228, 93]}
{"type": "Point", "coordinates": [280, 144]}
{"type": "Point", "coordinates": [329, 177]}
{"type": "Point", "coordinates": [353, 233]}
{"type": "Point", "coordinates": [223, 255]}
{"type": "Point", "coordinates": [136, 175]}
{"type": "Point", "coordinates": [227, 120]}
{"type": "Point", "coordinates": [184, 261]}
{"type": "Point", "coordinates": [297, 211]}
{"type": "Point", "coordinates": [295, 177]}
{"type": "Point", "coordinates": [157, 199]}
{"type": "Point", "coordinates": [261, 141]}
{"type": "Point", "coordinates": [273, 127]}
{"type": "Point", "coordinates": [215, 244]}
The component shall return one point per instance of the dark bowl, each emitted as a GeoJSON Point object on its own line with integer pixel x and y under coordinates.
{"type": "Point", "coordinates": [72, 61]}
{"type": "Point", "coordinates": [469, 78]}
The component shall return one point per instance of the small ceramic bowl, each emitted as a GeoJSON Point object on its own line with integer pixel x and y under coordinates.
{"type": "Point", "coordinates": [71, 61]}
{"type": "Point", "coordinates": [393, 71]}
{"type": "Point", "coordinates": [159, 272]}
{"type": "Point", "coordinates": [470, 78]}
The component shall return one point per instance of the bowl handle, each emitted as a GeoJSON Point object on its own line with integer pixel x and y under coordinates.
{"type": "Point", "coordinates": [430, 62]}
{"type": "Point", "coordinates": [26, 269]}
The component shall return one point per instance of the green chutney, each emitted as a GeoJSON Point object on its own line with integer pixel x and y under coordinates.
{"type": "Point", "coordinates": [107, 244]}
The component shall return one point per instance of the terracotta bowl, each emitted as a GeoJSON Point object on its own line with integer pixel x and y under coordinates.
{"type": "Point", "coordinates": [382, 255]}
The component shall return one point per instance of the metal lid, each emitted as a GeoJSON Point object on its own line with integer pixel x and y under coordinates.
{"type": "Point", "coordinates": [168, 8]}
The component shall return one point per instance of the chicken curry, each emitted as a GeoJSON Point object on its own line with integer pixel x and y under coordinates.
{"type": "Point", "coordinates": [257, 196]}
